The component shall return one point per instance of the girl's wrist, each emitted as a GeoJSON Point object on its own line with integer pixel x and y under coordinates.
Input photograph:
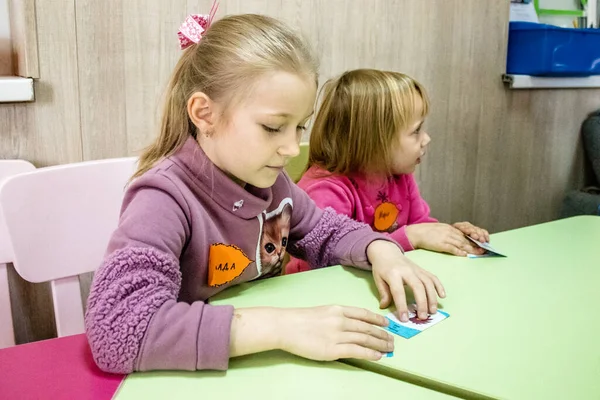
{"type": "Point", "coordinates": [254, 330]}
{"type": "Point", "coordinates": [380, 250]}
{"type": "Point", "coordinates": [412, 233]}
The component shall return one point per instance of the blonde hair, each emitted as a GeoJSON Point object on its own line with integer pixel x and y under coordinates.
{"type": "Point", "coordinates": [232, 54]}
{"type": "Point", "coordinates": [361, 114]}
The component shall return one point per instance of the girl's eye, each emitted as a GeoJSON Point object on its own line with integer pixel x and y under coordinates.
{"type": "Point", "coordinates": [301, 127]}
{"type": "Point", "coordinates": [271, 130]}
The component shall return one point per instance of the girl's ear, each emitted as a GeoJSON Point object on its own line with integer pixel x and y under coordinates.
{"type": "Point", "coordinates": [202, 112]}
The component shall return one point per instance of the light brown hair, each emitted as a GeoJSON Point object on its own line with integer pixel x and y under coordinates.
{"type": "Point", "coordinates": [232, 54]}
{"type": "Point", "coordinates": [360, 116]}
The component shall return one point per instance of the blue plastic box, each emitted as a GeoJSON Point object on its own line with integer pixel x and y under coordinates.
{"type": "Point", "coordinates": [547, 50]}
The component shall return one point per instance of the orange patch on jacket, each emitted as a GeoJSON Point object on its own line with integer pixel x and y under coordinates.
{"type": "Point", "coordinates": [225, 263]}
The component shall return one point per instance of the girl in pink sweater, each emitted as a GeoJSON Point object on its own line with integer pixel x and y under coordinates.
{"type": "Point", "coordinates": [366, 142]}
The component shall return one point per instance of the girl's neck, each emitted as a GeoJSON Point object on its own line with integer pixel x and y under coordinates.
{"type": "Point", "coordinates": [235, 179]}
{"type": "Point", "coordinates": [206, 149]}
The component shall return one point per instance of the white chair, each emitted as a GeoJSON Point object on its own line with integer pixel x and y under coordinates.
{"type": "Point", "coordinates": [8, 168]}
{"type": "Point", "coordinates": [59, 220]}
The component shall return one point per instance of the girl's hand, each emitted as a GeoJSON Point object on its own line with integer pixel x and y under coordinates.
{"type": "Point", "coordinates": [442, 238]}
{"type": "Point", "coordinates": [471, 230]}
{"type": "Point", "coordinates": [392, 270]}
{"type": "Point", "coordinates": [319, 333]}
{"type": "Point", "coordinates": [333, 332]}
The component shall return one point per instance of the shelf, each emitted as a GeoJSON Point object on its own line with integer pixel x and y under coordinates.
{"type": "Point", "coordinates": [14, 89]}
{"type": "Point", "coordinates": [539, 82]}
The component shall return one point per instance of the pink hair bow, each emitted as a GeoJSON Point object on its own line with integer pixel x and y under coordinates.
{"type": "Point", "coordinates": [194, 26]}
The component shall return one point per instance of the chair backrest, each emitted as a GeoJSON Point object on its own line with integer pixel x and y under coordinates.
{"type": "Point", "coordinates": [8, 168]}
{"type": "Point", "coordinates": [297, 165]}
{"type": "Point", "coordinates": [590, 130]}
{"type": "Point", "coordinates": [59, 220]}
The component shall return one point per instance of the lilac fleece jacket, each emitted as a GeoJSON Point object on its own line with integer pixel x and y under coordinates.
{"type": "Point", "coordinates": [388, 206]}
{"type": "Point", "coordinates": [187, 232]}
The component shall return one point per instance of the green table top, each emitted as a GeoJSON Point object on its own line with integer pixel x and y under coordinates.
{"type": "Point", "coordinates": [521, 327]}
{"type": "Point", "coordinates": [272, 375]}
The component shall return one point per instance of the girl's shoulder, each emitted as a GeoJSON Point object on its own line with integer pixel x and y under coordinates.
{"type": "Point", "coordinates": [317, 175]}
{"type": "Point", "coordinates": [162, 176]}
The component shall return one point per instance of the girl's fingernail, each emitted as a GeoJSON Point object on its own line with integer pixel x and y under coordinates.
{"type": "Point", "coordinates": [404, 317]}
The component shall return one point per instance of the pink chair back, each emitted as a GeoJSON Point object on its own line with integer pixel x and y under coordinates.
{"type": "Point", "coordinates": [59, 220]}
{"type": "Point", "coordinates": [8, 168]}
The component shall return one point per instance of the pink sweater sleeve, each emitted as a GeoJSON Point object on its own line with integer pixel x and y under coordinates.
{"type": "Point", "coordinates": [399, 235]}
{"type": "Point", "coordinates": [324, 237]}
{"type": "Point", "coordinates": [419, 213]}
{"type": "Point", "coordinates": [324, 194]}
{"type": "Point", "coordinates": [133, 319]}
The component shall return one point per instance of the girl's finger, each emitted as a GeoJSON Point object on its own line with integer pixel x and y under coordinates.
{"type": "Point", "coordinates": [420, 293]}
{"type": "Point", "coordinates": [385, 297]}
{"type": "Point", "coordinates": [460, 242]}
{"type": "Point", "coordinates": [356, 351]}
{"type": "Point", "coordinates": [486, 235]}
{"type": "Point", "coordinates": [439, 287]}
{"type": "Point", "coordinates": [362, 314]}
{"type": "Point", "coordinates": [367, 341]}
{"type": "Point", "coordinates": [431, 292]}
{"type": "Point", "coordinates": [364, 328]}
{"type": "Point", "coordinates": [399, 296]}
{"type": "Point", "coordinates": [452, 248]}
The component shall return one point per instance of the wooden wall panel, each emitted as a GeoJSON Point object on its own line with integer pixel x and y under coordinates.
{"type": "Point", "coordinates": [151, 51]}
{"type": "Point", "coordinates": [23, 32]}
{"type": "Point", "coordinates": [101, 76]}
{"type": "Point", "coordinates": [57, 137]}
